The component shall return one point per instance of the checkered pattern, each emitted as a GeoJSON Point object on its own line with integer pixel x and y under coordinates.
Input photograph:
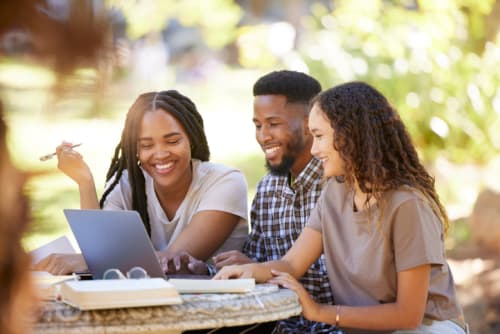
{"type": "Point", "coordinates": [278, 215]}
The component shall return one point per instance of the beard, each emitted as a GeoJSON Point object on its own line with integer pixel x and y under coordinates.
{"type": "Point", "coordinates": [283, 168]}
{"type": "Point", "coordinates": [293, 149]}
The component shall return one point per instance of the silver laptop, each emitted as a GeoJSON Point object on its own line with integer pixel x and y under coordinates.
{"type": "Point", "coordinates": [113, 239]}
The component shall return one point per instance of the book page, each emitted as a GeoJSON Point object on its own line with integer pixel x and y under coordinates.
{"type": "Point", "coordinates": [59, 245]}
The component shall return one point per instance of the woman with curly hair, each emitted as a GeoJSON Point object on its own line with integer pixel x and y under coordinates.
{"type": "Point", "coordinates": [379, 222]}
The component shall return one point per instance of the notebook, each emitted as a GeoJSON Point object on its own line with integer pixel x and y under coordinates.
{"type": "Point", "coordinates": [119, 293]}
{"type": "Point", "coordinates": [113, 239]}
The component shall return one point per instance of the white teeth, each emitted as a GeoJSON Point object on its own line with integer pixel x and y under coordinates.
{"type": "Point", "coordinates": [272, 149]}
{"type": "Point", "coordinates": [164, 166]}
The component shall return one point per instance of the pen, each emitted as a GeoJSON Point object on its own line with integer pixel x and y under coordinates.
{"type": "Point", "coordinates": [51, 155]}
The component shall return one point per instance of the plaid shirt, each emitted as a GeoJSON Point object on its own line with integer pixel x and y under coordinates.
{"type": "Point", "coordinates": [279, 213]}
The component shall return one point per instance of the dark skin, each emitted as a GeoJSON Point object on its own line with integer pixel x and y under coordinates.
{"type": "Point", "coordinates": [164, 152]}
{"type": "Point", "coordinates": [281, 129]}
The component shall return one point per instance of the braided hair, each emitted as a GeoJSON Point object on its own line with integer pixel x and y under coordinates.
{"type": "Point", "coordinates": [374, 144]}
{"type": "Point", "coordinates": [125, 154]}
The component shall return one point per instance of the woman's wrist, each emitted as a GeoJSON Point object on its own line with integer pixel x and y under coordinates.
{"type": "Point", "coordinates": [326, 313]}
{"type": "Point", "coordinates": [86, 181]}
{"type": "Point", "coordinates": [320, 313]}
{"type": "Point", "coordinates": [337, 315]}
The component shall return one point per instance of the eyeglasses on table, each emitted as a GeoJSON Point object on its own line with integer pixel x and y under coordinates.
{"type": "Point", "coordinates": [133, 273]}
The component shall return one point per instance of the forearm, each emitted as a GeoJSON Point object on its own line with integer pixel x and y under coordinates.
{"type": "Point", "coordinates": [264, 274]}
{"type": "Point", "coordinates": [379, 317]}
{"type": "Point", "coordinates": [88, 194]}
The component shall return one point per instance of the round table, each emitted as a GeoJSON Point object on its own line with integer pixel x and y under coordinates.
{"type": "Point", "coordinates": [266, 303]}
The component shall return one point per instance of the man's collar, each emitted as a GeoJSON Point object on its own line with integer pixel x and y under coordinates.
{"type": "Point", "coordinates": [308, 176]}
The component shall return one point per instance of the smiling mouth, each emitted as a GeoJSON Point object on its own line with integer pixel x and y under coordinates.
{"type": "Point", "coordinates": [164, 167]}
{"type": "Point", "coordinates": [271, 150]}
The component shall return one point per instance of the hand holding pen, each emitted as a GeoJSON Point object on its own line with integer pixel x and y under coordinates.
{"type": "Point", "coordinates": [71, 163]}
{"type": "Point", "coordinates": [51, 155]}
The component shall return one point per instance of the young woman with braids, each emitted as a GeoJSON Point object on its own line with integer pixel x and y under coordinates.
{"type": "Point", "coordinates": [191, 208]}
{"type": "Point", "coordinates": [379, 222]}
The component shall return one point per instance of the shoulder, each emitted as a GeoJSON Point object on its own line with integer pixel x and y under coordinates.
{"type": "Point", "coordinates": [206, 171]}
{"type": "Point", "coordinates": [404, 196]}
{"type": "Point", "coordinates": [409, 203]}
{"type": "Point", "coordinates": [314, 168]}
{"type": "Point", "coordinates": [334, 196]}
{"type": "Point", "coordinates": [123, 182]}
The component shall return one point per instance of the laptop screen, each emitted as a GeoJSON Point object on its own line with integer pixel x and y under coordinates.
{"type": "Point", "coordinates": [113, 240]}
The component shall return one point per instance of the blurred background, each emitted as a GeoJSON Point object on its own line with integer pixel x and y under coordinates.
{"type": "Point", "coordinates": [437, 61]}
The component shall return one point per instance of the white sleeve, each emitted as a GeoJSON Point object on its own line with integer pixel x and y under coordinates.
{"type": "Point", "coordinates": [227, 193]}
{"type": "Point", "coordinates": [120, 198]}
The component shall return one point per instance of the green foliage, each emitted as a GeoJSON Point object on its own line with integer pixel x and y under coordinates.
{"type": "Point", "coordinates": [423, 61]}
{"type": "Point", "coordinates": [217, 27]}
{"type": "Point", "coordinates": [144, 16]}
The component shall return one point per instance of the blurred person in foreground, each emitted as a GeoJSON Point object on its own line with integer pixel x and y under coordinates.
{"type": "Point", "coordinates": [378, 221]}
{"type": "Point", "coordinates": [62, 46]}
{"type": "Point", "coordinates": [285, 196]}
{"type": "Point", "coordinates": [16, 292]}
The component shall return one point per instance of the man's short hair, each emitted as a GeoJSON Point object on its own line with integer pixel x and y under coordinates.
{"type": "Point", "coordinates": [298, 87]}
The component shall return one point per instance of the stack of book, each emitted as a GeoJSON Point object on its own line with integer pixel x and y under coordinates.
{"type": "Point", "coordinates": [122, 293]}
{"type": "Point", "coordinates": [119, 293]}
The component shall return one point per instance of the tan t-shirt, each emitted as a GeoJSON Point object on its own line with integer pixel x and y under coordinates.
{"type": "Point", "coordinates": [363, 256]}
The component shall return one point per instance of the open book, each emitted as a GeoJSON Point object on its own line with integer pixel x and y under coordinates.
{"type": "Point", "coordinates": [104, 294]}
{"type": "Point", "coordinates": [188, 285]}
{"type": "Point", "coordinates": [60, 245]}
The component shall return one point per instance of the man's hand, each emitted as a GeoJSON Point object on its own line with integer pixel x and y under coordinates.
{"type": "Point", "coordinates": [229, 272]}
{"type": "Point", "coordinates": [62, 264]}
{"type": "Point", "coordinates": [230, 258]}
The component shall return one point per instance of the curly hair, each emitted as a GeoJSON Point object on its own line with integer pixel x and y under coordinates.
{"type": "Point", "coordinates": [297, 87]}
{"type": "Point", "coordinates": [374, 144]}
{"type": "Point", "coordinates": [125, 155]}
